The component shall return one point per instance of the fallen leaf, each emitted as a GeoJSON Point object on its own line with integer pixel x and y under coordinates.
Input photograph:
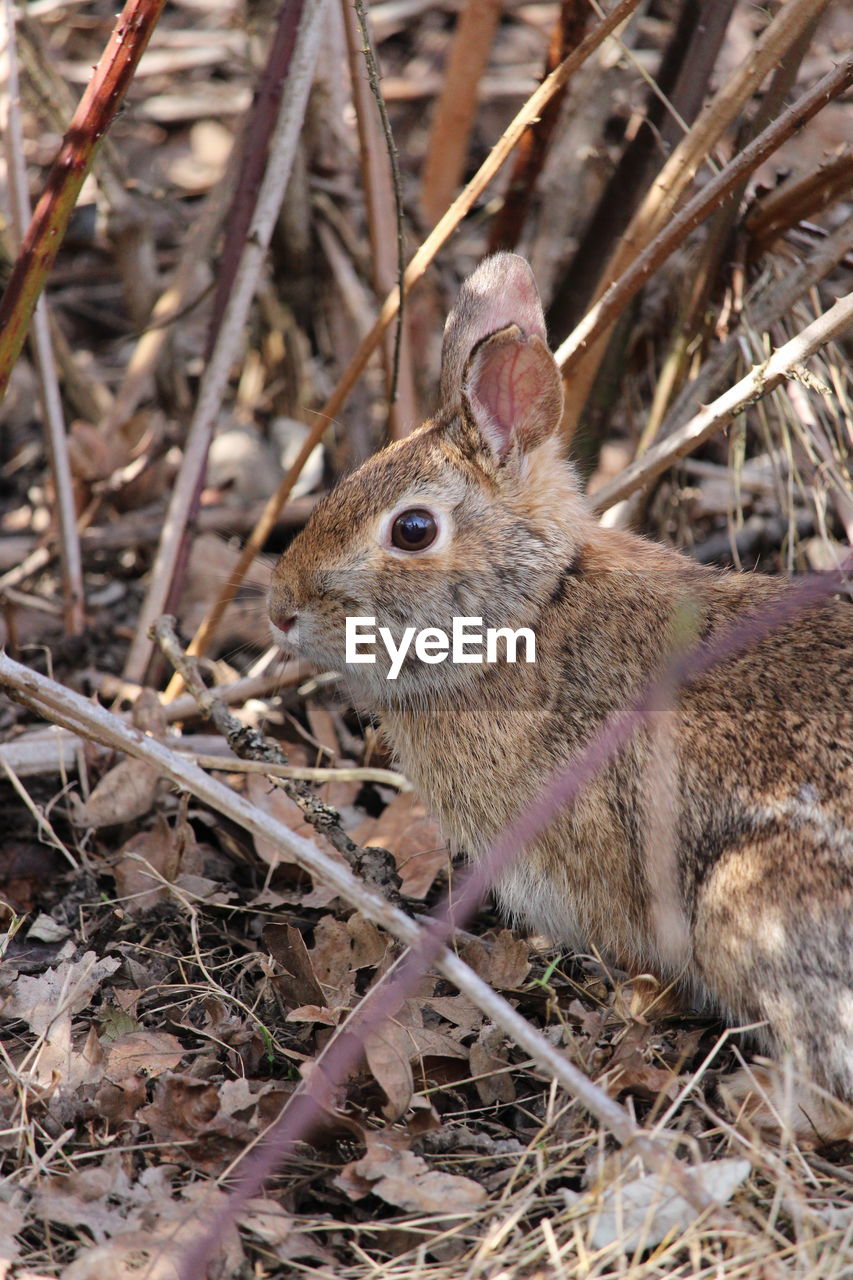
{"type": "Point", "coordinates": [45, 929]}
{"type": "Point", "coordinates": [275, 1226]}
{"type": "Point", "coordinates": [644, 1211]}
{"type": "Point", "coordinates": [414, 839]}
{"type": "Point", "coordinates": [124, 793]}
{"type": "Point", "coordinates": [142, 1052]}
{"type": "Point", "coordinates": [509, 962]}
{"type": "Point", "coordinates": [274, 801]}
{"type": "Point", "coordinates": [489, 1064]}
{"type": "Point", "coordinates": [628, 1067]}
{"type": "Point", "coordinates": [405, 1180]}
{"type": "Point", "coordinates": [388, 1050]}
{"type": "Point", "coordinates": [288, 949]}
{"type": "Point", "coordinates": [312, 1013]}
{"type": "Point", "coordinates": [68, 988]}
{"type": "Point", "coordinates": [150, 861]}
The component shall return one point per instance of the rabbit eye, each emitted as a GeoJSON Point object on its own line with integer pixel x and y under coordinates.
{"type": "Point", "coordinates": [414, 530]}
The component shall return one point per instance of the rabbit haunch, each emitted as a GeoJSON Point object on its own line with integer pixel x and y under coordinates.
{"type": "Point", "coordinates": [716, 849]}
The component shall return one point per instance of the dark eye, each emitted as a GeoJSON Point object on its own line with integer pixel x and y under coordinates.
{"type": "Point", "coordinates": [414, 530]}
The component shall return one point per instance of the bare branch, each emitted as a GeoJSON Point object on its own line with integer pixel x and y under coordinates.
{"type": "Point", "coordinates": [758, 382]}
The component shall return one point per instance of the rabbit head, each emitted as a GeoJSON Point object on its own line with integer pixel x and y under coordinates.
{"type": "Point", "coordinates": [475, 514]}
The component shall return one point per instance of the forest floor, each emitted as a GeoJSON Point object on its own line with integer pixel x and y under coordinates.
{"type": "Point", "coordinates": [168, 974]}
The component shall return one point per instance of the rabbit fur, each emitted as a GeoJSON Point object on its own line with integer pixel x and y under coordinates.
{"type": "Point", "coordinates": [716, 849]}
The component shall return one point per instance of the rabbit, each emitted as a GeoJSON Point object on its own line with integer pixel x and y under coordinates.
{"type": "Point", "coordinates": [715, 851]}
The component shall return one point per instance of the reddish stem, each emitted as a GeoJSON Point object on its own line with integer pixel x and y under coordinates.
{"type": "Point", "coordinates": [94, 115]}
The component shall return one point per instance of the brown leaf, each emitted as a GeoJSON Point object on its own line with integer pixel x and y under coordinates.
{"type": "Point", "coordinates": [277, 804]}
{"type": "Point", "coordinates": [312, 1013]}
{"type": "Point", "coordinates": [509, 962]}
{"type": "Point", "coordinates": [287, 947]}
{"type": "Point", "coordinates": [405, 1180]}
{"type": "Point", "coordinates": [414, 839]}
{"type": "Point", "coordinates": [124, 793]}
{"type": "Point", "coordinates": [67, 989]}
{"type": "Point", "coordinates": [489, 1063]}
{"type": "Point", "coordinates": [628, 1068]}
{"type": "Point", "coordinates": [142, 1052]}
{"type": "Point", "coordinates": [389, 1050]}
{"type": "Point", "coordinates": [459, 1010]}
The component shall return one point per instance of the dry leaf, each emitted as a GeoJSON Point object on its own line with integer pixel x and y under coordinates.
{"type": "Point", "coordinates": [66, 989]}
{"type": "Point", "coordinates": [149, 1053]}
{"type": "Point", "coordinates": [509, 962]}
{"type": "Point", "coordinates": [489, 1062]}
{"type": "Point", "coordinates": [644, 1211]}
{"type": "Point", "coordinates": [413, 838]}
{"type": "Point", "coordinates": [389, 1050]}
{"type": "Point", "coordinates": [274, 801]}
{"type": "Point", "coordinates": [123, 794]}
{"type": "Point", "coordinates": [405, 1180]}
{"type": "Point", "coordinates": [312, 1013]}
{"type": "Point", "coordinates": [287, 947]}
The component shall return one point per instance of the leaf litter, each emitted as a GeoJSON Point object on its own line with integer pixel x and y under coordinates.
{"type": "Point", "coordinates": [161, 1000]}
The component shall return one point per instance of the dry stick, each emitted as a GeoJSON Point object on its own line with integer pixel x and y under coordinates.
{"type": "Point", "coordinates": [599, 318]}
{"type": "Point", "coordinates": [800, 197]}
{"type": "Point", "coordinates": [454, 112]}
{"type": "Point", "coordinates": [758, 382]}
{"type": "Point", "coordinates": [717, 238]}
{"type": "Point", "coordinates": [55, 437]}
{"type": "Point", "coordinates": [215, 379]}
{"type": "Point", "coordinates": [255, 157]}
{"type": "Point", "coordinates": [94, 115]}
{"type": "Point", "coordinates": [396, 183]}
{"type": "Point", "coordinates": [770, 307]}
{"type": "Point", "coordinates": [415, 270]}
{"type": "Point", "coordinates": [384, 223]}
{"type": "Point", "coordinates": [676, 175]}
{"type": "Point", "coordinates": [533, 148]}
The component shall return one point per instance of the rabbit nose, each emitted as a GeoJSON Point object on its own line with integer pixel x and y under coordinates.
{"type": "Point", "coordinates": [282, 615]}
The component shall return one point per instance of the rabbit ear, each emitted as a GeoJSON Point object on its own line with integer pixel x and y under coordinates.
{"type": "Point", "coordinates": [501, 292]}
{"type": "Point", "coordinates": [513, 391]}
{"type": "Point", "coordinates": [495, 362]}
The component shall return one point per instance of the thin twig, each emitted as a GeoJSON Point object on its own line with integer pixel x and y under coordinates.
{"type": "Point", "coordinates": [54, 424]}
{"type": "Point", "coordinates": [767, 310]}
{"type": "Point", "coordinates": [217, 372]}
{"type": "Point", "coordinates": [454, 112]}
{"type": "Point", "coordinates": [601, 316]}
{"type": "Point", "coordinates": [380, 204]}
{"type": "Point", "coordinates": [174, 302]}
{"type": "Point", "coordinates": [532, 150]}
{"type": "Point", "coordinates": [360, 773]}
{"type": "Point", "coordinates": [675, 177]}
{"type": "Point", "coordinates": [421, 260]}
{"type": "Point", "coordinates": [758, 382]}
{"type": "Point", "coordinates": [802, 196]}
{"type": "Point", "coordinates": [394, 161]}
{"type": "Point", "coordinates": [93, 117]}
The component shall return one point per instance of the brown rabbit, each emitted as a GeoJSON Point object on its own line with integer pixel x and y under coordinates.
{"type": "Point", "coordinates": [716, 850]}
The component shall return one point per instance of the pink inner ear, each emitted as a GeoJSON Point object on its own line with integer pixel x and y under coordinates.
{"type": "Point", "coordinates": [504, 385]}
